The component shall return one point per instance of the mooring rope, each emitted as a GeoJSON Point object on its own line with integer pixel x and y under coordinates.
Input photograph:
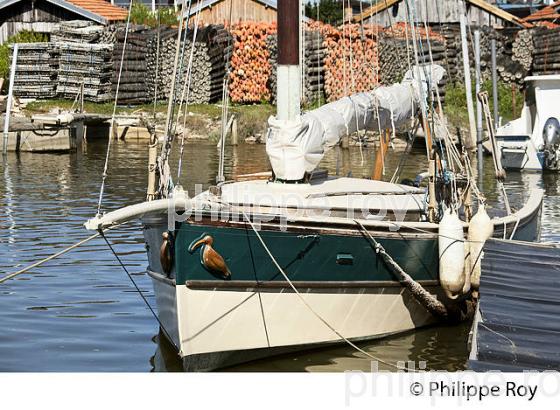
{"type": "Point", "coordinates": [422, 296]}
{"type": "Point", "coordinates": [54, 256]}
{"type": "Point", "coordinates": [317, 315]}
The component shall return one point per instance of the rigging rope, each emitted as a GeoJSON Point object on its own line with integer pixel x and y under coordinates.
{"type": "Point", "coordinates": [157, 65]}
{"type": "Point", "coordinates": [180, 72]}
{"type": "Point", "coordinates": [225, 105]}
{"type": "Point", "coordinates": [307, 305]}
{"type": "Point", "coordinates": [186, 78]}
{"type": "Point", "coordinates": [187, 91]}
{"type": "Point", "coordinates": [106, 166]}
{"type": "Point", "coordinates": [165, 182]}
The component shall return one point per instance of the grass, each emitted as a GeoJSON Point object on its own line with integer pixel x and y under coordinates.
{"type": "Point", "coordinates": [456, 102]}
{"type": "Point", "coordinates": [252, 119]}
{"type": "Point", "coordinates": [5, 52]}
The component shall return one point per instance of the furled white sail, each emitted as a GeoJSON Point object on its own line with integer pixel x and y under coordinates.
{"type": "Point", "coordinates": [297, 147]}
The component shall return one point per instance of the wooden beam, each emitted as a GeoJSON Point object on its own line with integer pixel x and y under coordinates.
{"type": "Point", "coordinates": [498, 12]}
{"type": "Point", "coordinates": [381, 6]}
{"type": "Point", "coordinates": [384, 138]}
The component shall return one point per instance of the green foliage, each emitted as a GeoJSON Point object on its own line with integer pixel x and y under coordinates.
{"type": "Point", "coordinates": [456, 101]}
{"type": "Point", "coordinates": [330, 11]}
{"type": "Point", "coordinates": [141, 14]}
{"type": "Point", "coordinates": [21, 37]}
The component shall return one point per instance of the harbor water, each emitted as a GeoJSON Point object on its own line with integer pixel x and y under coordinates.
{"type": "Point", "coordinates": [81, 313]}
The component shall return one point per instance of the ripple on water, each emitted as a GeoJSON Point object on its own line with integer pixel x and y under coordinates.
{"type": "Point", "coordinates": [81, 313]}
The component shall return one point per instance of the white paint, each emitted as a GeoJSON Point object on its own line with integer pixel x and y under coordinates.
{"type": "Point", "coordinates": [288, 93]}
{"type": "Point", "coordinates": [541, 103]}
{"type": "Point", "coordinates": [213, 321]}
{"type": "Point", "coordinates": [451, 254]}
{"type": "Point", "coordinates": [480, 229]}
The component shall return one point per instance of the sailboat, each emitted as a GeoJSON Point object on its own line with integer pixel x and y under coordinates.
{"type": "Point", "coordinates": [300, 259]}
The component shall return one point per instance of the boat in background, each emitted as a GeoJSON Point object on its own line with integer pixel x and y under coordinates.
{"type": "Point", "coordinates": [532, 142]}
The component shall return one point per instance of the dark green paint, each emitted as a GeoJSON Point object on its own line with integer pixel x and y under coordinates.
{"type": "Point", "coordinates": [303, 257]}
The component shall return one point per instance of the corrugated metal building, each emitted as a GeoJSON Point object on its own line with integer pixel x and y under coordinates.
{"type": "Point", "coordinates": [42, 15]}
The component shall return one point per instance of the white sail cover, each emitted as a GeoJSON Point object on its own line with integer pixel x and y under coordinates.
{"type": "Point", "coordinates": [297, 147]}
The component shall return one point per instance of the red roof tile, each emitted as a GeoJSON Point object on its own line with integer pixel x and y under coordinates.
{"type": "Point", "coordinates": [546, 13]}
{"type": "Point", "coordinates": [102, 8]}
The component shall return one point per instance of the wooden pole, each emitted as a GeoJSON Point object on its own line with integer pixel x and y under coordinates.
{"type": "Point", "coordinates": [513, 107]}
{"type": "Point", "coordinates": [234, 132]}
{"type": "Point", "coordinates": [379, 155]}
{"type": "Point", "coordinates": [495, 85]}
{"type": "Point", "coordinates": [470, 143]}
{"type": "Point", "coordinates": [10, 99]}
{"type": "Point", "coordinates": [288, 96]}
{"type": "Point", "coordinates": [479, 147]}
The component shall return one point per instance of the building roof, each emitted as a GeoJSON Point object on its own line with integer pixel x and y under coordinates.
{"type": "Point", "coordinates": [202, 4]}
{"type": "Point", "coordinates": [551, 12]}
{"type": "Point", "coordinates": [99, 11]}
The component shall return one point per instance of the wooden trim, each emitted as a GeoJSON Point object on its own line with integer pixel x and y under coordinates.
{"type": "Point", "coordinates": [378, 8]}
{"type": "Point", "coordinates": [161, 278]}
{"type": "Point", "coordinates": [253, 285]}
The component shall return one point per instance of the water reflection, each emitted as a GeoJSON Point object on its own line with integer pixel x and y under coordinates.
{"type": "Point", "coordinates": [439, 348]}
{"type": "Point", "coordinates": [81, 313]}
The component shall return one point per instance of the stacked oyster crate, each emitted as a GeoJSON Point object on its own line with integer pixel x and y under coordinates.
{"type": "Point", "coordinates": [133, 88]}
{"type": "Point", "coordinates": [313, 66]}
{"type": "Point", "coordinates": [314, 69]}
{"type": "Point", "coordinates": [82, 61]}
{"type": "Point", "coordinates": [85, 65]}
{"type": "Point", "coordinates": [36, 71]}
{"type": "Point", "coordinates": [160, 67]}
{"type": "Point", "coordinates": [208, 64]}
{"type": "Point", "coordinates": [77, 31]}
{"type": "Point", "coordinates": [546, 55]}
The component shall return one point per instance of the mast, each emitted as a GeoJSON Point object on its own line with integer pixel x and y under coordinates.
{"type": "Point", "coordinates": [289, 75]}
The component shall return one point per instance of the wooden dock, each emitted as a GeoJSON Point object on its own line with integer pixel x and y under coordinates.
{"type": "Point", "coordinates": [517, 326]}
{"type": "Point", "coordinates": [49, 132]}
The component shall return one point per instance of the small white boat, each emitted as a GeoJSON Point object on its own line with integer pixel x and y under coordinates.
{"type": "Point", "coordinates": [532, 142]}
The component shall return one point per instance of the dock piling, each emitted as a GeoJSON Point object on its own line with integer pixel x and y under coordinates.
{"type": "Point", "coordinates": [478, 80]}
{"type": "Point", "coordinates": [495, 85]}
{"type": "Point", "coordinates": [10, 100]}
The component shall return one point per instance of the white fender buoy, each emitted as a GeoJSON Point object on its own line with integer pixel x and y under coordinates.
{"type": "Point", "coordinates": [480, 229]}
{"type": "Point", "coordinates": [451, 255]}
{"type": "Point", "coordinates": [467, 268]}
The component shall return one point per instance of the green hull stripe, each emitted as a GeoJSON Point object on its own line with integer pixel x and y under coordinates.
{"type": "Point", "coordinates": [304, 257]}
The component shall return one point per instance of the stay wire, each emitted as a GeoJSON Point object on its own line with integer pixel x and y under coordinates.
{"type": "Point", "coordinates": [106, 167]}
{"type": "Point", "coordinates": [317, 315]}
{"type": "Point", "coordinates": [186, 97]}
{"type": "Point", "coordinates": [180, 73]}
{"type": "Point", "coordinates": [156, 81]}
{"type": "Point", "coordinates": [154, 314]}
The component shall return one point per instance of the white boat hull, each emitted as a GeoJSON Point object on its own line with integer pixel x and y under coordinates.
{"type": "Point", "coordinates": [216, 328]}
